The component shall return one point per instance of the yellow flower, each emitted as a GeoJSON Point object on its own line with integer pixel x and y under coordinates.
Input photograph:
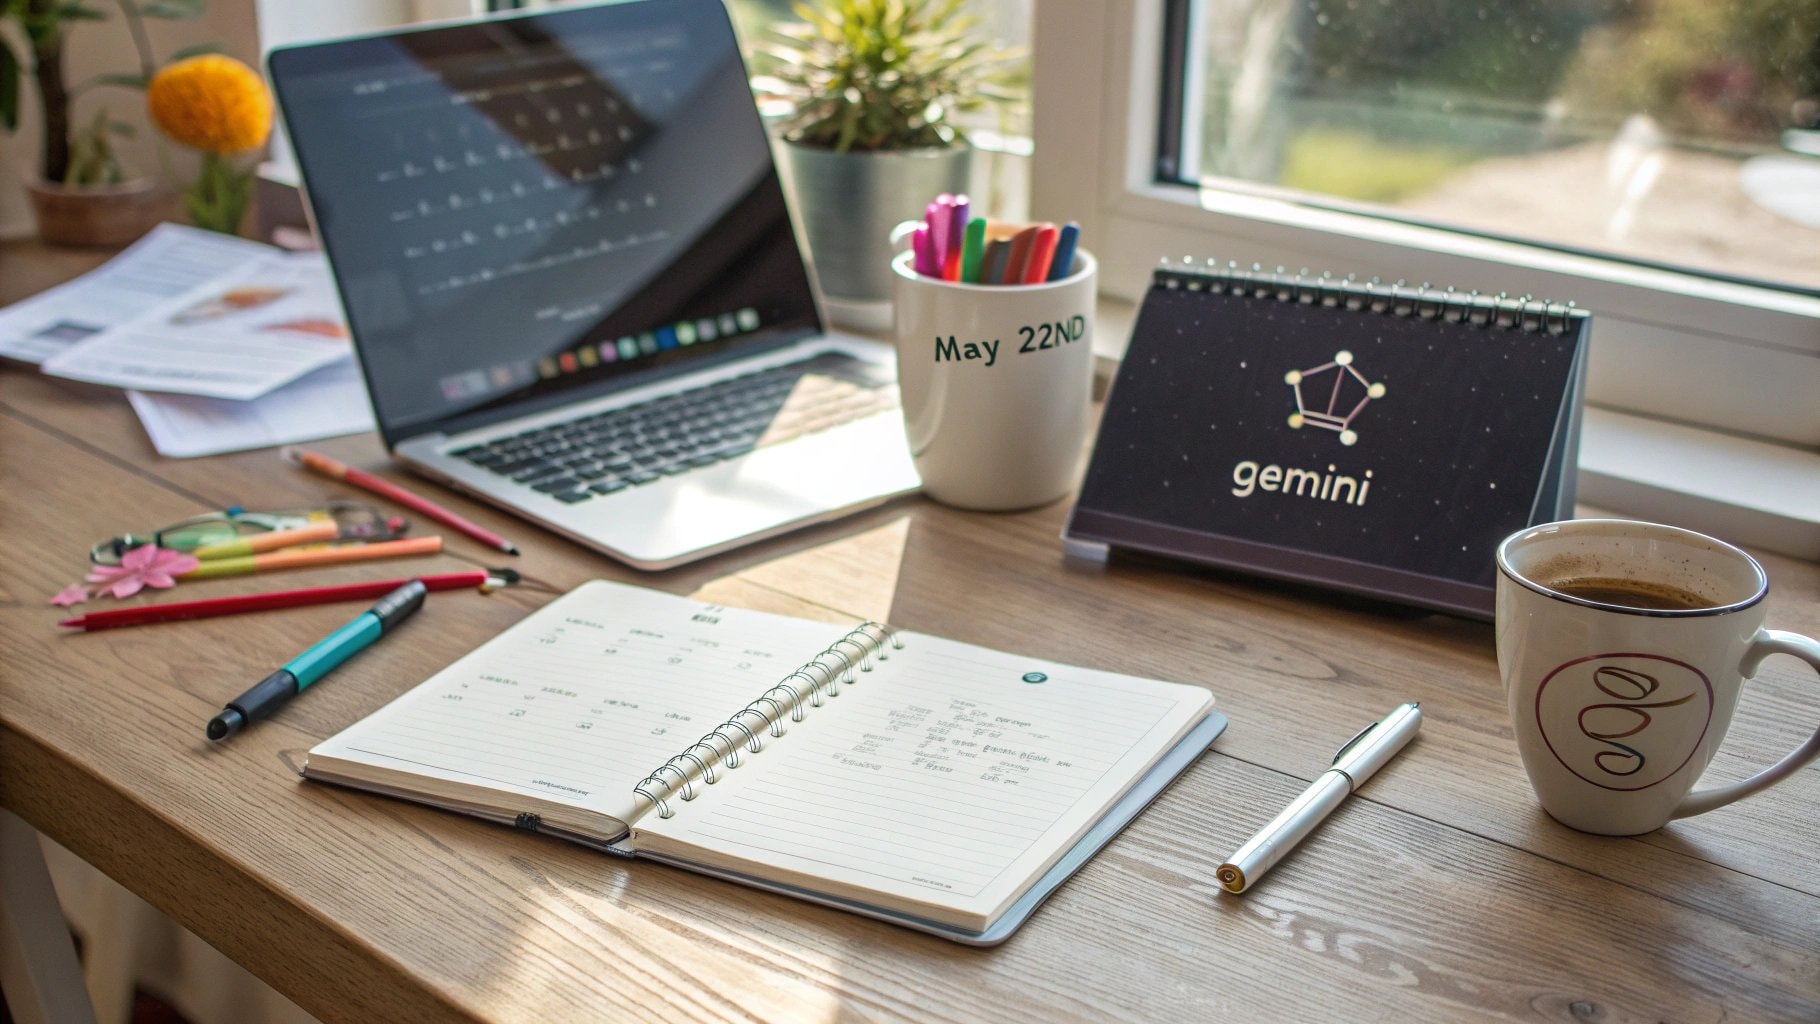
{"type": "Point", "coordinates": [212, 103]}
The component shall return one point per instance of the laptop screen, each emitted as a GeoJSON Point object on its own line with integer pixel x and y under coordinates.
{"type": "Point", "coordinates": [518, 210]}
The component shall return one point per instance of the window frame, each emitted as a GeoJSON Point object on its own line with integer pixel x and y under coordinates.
{"type": "Point", "coordinates": [1661, 338]}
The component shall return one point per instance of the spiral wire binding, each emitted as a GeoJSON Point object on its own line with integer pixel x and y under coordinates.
{"type": "Point", "coordinates": [818, 679]}
{"type": "Point", "coordinates": [1523, 313]}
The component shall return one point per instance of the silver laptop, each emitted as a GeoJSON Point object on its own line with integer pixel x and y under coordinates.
{"type": "Point", "coordinates": [573, 283]}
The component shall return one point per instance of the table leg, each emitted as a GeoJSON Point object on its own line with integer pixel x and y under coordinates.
{"type": "Point", "coordinates": [38, 966]}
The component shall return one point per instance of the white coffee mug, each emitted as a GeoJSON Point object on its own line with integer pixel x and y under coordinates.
{"type": "Point", "coordinates": [997, 381]}
{"type": "Point", "coordinates": [1618, 707]}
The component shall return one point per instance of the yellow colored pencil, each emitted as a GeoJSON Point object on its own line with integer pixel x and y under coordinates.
{"type": "Point", "coordinates": [253, 544]}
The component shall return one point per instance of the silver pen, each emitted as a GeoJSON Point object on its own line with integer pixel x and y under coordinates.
{"type": "Point", "coordinates": [1355, 762]}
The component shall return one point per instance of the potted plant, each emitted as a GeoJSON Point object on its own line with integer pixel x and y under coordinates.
{"type": "Point", "coordinates": [82, 195]}
{"type": "Point", "coordinates": [873, 87]}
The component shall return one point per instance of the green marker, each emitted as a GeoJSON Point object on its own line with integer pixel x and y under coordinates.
{"type": "Point", "coordinates": [971, 247]}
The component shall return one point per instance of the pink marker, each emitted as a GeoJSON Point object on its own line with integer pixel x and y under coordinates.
{"type": "Point", "coordinates": [936, 216]}
{"type": "Point", "coordinates": [922, 251]}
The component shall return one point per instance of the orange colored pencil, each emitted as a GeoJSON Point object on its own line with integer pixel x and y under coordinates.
{"type": "Point", "coordinates": [320, 463]}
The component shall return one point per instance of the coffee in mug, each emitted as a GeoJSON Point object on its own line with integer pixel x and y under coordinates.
{"type": "Point", "coordinates": [1623, 647]}
{"type": "Point", "coordinates": [1643, 594]}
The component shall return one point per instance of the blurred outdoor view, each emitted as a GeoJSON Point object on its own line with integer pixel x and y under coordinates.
{"type": "Point", "coordinates": [1678, 132]}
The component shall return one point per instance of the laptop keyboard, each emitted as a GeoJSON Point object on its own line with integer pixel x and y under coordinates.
{"type": "Point", "coordinates": [636, 444]}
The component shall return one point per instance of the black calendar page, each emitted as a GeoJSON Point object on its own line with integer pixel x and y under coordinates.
{"type": "Point", "coordinates": [530, 206]}
{"type": "Point", "coordinates": [1329, 444]}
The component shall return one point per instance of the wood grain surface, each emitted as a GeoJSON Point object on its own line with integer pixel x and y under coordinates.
{"type": "Point", "coordinates": [1441, 892]}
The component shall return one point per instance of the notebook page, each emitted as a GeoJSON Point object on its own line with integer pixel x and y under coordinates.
{"type": "Point", "coordinates": [580, 701]}
{"type": "Point", "coordinates": [941, 782]}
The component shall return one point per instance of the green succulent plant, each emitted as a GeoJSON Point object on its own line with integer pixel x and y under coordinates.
{"type": "Point", "coordinates": [872, 75]}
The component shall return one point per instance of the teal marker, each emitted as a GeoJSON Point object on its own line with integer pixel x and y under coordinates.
{"type": "Point", "coordinates": [318, 661]}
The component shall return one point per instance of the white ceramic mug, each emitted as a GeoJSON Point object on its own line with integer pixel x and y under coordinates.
{"type": "Point", "coordinates": [1618, 708]}
{"type": "Point", "coordinates": [997, 381]}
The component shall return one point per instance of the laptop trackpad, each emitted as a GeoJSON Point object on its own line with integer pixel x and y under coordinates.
{"type": "Point", "coordinates": [771, 488]}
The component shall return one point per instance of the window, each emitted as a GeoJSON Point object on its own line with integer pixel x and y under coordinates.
{"type": "Point", "coordinates": [1679, 133]}
{"type": "Point", "coordinates": [1652, 160]}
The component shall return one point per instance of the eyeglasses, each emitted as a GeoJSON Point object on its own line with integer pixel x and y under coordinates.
{"type": "Point", "coordinates": [357, 522]}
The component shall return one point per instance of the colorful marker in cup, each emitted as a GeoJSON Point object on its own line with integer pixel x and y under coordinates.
{"type": "Point", "coordinates": [952, 246]}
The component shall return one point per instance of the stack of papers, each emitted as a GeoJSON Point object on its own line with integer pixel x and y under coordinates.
{"type": "Point", "coordinates": [327, 403]}
{"type": "Point", "coordinates": [229, 344]}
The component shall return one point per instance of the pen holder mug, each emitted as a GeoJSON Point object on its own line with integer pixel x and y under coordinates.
{"type": "Point", "coordinates": [1618, 707]}
{"type": "Point", "coordinates": [997, 382]}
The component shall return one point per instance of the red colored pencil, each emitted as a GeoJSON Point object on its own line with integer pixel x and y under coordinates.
{"type": "Point", "coordinates": [1020, 255]}
{"type": "Point", "coordinates": [386, 489]}
{"type": "Point", "coordinates": [1042, 251]}
{"type": "Point", "coordinates": [179, 610]}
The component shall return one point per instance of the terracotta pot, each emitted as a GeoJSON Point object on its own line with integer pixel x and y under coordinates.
{"type": "Point", "coordinates": [98, 215]}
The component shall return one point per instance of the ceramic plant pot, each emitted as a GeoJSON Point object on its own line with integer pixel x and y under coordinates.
{"type": "Point", "coordinates": [97, 215]}
{"type": "Point", "coordinates": [847, 204]}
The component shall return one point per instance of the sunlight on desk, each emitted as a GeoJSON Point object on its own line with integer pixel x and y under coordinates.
{"type": "Point", "coordinates": [853, 578]}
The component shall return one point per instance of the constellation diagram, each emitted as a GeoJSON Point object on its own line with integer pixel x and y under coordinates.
{"type": "Point", "coordinates": [1330, 418]}
{"type": "Point", "coordinates": [517, 165]}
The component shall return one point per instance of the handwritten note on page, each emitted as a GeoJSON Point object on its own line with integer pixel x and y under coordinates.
{"type": "Point", "coordinates": [942, 780]}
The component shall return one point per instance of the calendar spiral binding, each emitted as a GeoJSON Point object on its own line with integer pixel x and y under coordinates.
{"type": "Point", "coordinates": [1524, 313]}
{"type": "Point", "coordinates": [676, 777]}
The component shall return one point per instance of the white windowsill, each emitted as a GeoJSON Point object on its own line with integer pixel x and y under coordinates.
{"type": "Point", "coordinates": [1752, 493]}
{"type": "Point", "coordinates": [1748, 492]}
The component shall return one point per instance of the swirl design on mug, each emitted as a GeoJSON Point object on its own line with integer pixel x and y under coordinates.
{"type": "Point", "coordinates": [1639, 685]}
{"type": "Point", "coordinates": [1624, 721]}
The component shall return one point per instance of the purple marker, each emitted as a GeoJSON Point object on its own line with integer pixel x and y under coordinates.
{"type": "Point", "coordinates": [957, 234]}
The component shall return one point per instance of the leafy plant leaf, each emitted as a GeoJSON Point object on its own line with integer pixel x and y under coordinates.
{"type": "Point", "coordinates": [77, 11]}
{"type": "Point", "coordinates": [883, 74]}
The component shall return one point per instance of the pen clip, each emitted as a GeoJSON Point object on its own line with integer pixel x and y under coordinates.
{"type": "Point", "coordinates": [1349, 744]}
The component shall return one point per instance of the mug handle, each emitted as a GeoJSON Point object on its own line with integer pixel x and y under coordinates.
{"type": "Point", "coordinates": [901, 232]}
{"type": "Point", "coordinates": [1764, 644]}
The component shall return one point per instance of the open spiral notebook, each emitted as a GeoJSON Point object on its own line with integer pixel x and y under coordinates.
{"type": "Point", "coordinates": [938, 785]}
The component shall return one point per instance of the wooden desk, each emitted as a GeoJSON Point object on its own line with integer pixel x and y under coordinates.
{"type": "Point", "coordinates": [1442, 893]}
